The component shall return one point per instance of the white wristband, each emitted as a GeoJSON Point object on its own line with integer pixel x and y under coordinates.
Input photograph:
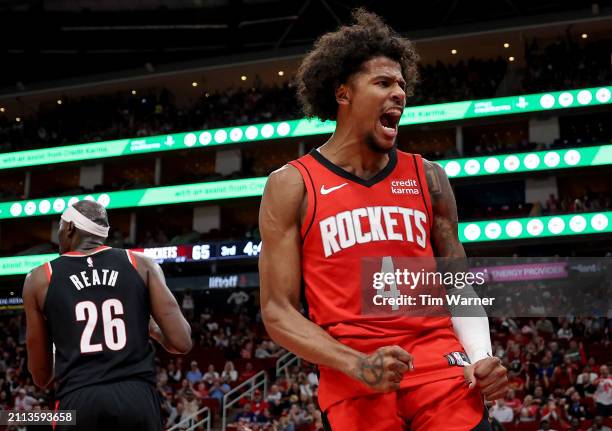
{"type": "Point", "coordinates": [474, 336]}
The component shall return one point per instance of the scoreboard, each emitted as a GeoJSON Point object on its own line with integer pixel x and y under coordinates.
{"type": "Point", "coordinates": [205, 251]}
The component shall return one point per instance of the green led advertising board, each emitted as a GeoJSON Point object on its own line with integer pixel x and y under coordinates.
{"type": "Point", "coordinates": [199, 192]}
{"type": "Point", "coordinates": [528, 162]}
{"type": "Point", "coordinates": [23, 264]}
{"type": "Point", "coordinates": [535, 227]}
{"type": "Point", "coordinates": [469, 232]}
{"type": "Point", "coordinates": [232, 189]}
{"type": "Point", "coordinates": [294, 128]}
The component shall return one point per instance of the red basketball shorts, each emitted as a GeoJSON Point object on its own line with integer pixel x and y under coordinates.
{"type": "Point", "coordinates": [446, 404]}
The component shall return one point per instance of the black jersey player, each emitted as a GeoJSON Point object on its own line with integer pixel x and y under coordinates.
{"type": "Point", "coordinates": [98, 307]}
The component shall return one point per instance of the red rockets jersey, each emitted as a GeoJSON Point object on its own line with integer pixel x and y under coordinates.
{"type": "Point", "coordinates": [348, 219]}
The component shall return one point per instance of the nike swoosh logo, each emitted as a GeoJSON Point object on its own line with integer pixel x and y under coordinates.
{"type": "Point", "coordinates": [325, 191]}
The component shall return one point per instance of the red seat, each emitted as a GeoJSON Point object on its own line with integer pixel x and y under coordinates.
{"type": "Point", "coordinates": [598, 351]}
{"type": "Point", "coordinates": [590, 403]}
{"type": "Point", "coordinates": [527, 426]}
{"type": "Point", "coordinates": [213, 404]}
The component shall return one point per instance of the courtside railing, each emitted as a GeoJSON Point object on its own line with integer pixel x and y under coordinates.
{"type": "Point", "coordinates": [189, 423]}
{"type": "Point", "coordinates": [248, 387]}
{"type": "Point", "coordinates": [284, 363]}
{"type": "Point", "coordinates": [205, 421]}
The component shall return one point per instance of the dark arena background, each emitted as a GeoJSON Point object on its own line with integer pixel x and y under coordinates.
{"type": "Point", "coordinates": [173, 113]}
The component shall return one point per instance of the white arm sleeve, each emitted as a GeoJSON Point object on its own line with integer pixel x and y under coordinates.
{"type": "Point", "coordinates": [474, 336]}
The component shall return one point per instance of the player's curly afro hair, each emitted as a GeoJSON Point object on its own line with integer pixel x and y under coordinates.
{"type": "Point", "coordinates": [337, 55]}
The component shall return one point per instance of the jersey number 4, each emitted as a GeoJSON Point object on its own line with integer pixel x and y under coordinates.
{"type": "Point", "coordinates": [393, 292]}
{"type": "Point", "coordinates": [114, 327]}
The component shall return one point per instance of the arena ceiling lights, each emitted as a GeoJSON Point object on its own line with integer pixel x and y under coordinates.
{"type": "Point", "coordinates": [471, 232]}
{"type": "Point", "coordinates": [295, 128]}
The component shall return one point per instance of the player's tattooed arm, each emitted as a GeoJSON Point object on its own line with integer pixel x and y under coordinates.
{"type": "Point", "coordinates": [280, 283]}
{"type": "Point", "coordinates": [371, 369]}
{"type": "Point", "coordinates": [384, 369]}
{"type": "Point", "coordinates": [472, 330]}
{"type": "Point", "coordinates": [444, 235]}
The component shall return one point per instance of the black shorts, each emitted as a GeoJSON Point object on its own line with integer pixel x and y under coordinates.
{"type": "Point", "coordinates": [119, 406]}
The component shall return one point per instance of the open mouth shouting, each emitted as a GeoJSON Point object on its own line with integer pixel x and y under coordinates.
{"type": "Point", "coordinates": [389, 122]}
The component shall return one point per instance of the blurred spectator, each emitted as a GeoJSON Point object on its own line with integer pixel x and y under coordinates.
{"type": "Point", "coordinates": [529, 410]}
{"type": "Point", "coordinates": [188, 305]}
{"type": "Point", "coordinates": [247, 350]}
{"type": "Point", "coordinates": [246, 415]}
{"type": "Point", "coordinates": [598, 425]}
{"type": "Point", "coordinates": [174, 374]}
{"type": "Point", "coordinates": [23, 401]}
{"type": "Point", "coordinates": [576, 408]}
{"type": "Point", "coordinates": [218, 389]}
{"type": "Point", "coordinates": [174, 413]}
{"type": "Point", "coordinates": [194, 375]}
{"type": "Point", "coordinates": [603, 393]}
{"type": "Point", "coordinates": [502, 412]}
{"type": "Point", "coordinates": [191, 405]}
{"type": "Point", "coordinates": [545, 426]}
{"type": "Point", "coordinates": [551, 412]}
{"type": "Point", "coordinates": [511, 401]}
{"type": "Point", "coordinates": [200, 390]}
{"type": "Point", "coordinates": [573, 351]}
{"type": "Point", "coordinates": [258, 404]}
{"type": "Point", "coordinates": [248, 372]}
{"type": "Point", "coordinates": [229, 374]}
{"type": "Point", "coordinates": [585, 382]}
{"type": "Point", "coordinates": [211, 375]}
{"type": "Point", "coordinates": [565, 332]}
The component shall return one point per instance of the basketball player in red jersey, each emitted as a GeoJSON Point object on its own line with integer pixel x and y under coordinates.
{"type": "Point", "coordinates": [324, 212]}
{"type": "Point", "coordinates": [94, 304]}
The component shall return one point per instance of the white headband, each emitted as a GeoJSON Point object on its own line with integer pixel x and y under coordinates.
{"type": "Point", "coordinates": [83, 223]}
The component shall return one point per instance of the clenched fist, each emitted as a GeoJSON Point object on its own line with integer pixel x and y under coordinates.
{"type": "Point", "coordinates": [383, 370]}
{"type": "Point", "coordinates": [490, 376]}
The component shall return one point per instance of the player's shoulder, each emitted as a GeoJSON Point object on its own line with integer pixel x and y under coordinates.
{"type": "Point", "coordinates": [36, 282]}
{"type": "Point", "coordinates": [141, 258]}
{"type": "Point", "coordinates": [287, 179]}
{"type": "Point", "coordinates": [427, 164]}
{"type": "Point", "coordinates": [38, 273]}
{"type": "Point", "coordinates": [283, 197]}
{"type": "Point", "coordinates": [287, 171]}
{"type": "Point", "coordinates": [434, 167]}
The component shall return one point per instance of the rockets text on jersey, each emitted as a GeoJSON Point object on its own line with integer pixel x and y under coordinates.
{"type": "Point", "coordinates": [377, 223]}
